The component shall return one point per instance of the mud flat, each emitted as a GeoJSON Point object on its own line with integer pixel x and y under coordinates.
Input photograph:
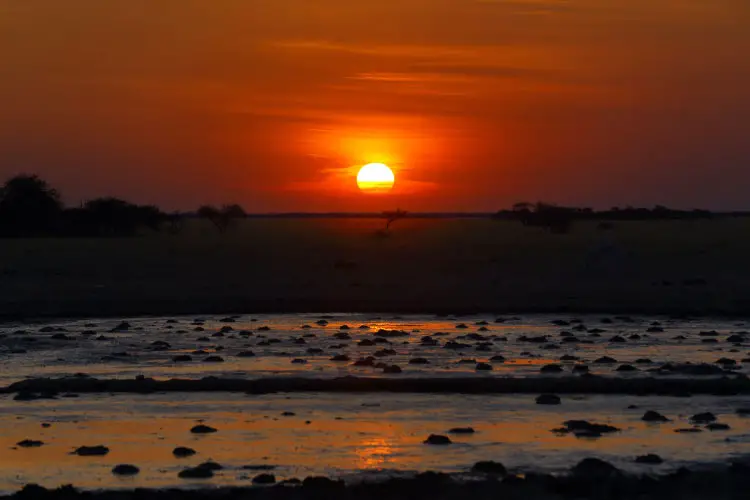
{"type": "Point", "coordinates": [450, 266]}
{"type": "Point", "coordinates": [589, 479]}
{"type": "Point", "coordinates": [591, 384]}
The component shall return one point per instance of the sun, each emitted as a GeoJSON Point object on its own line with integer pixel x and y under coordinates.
{"type": "Point", "coordinates": [375, 178]}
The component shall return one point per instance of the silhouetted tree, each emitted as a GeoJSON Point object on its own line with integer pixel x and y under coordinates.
{"type": "Point", "coordinates": [551, 217]}
{"type": "Point", "coordinates": [392, 216]}
{"type": "Point", "coordinates": [112, 217]}
{"type": "Point", "coordinates": [223, 218]}
{"type": "Point", "coordinates": [28, 207]}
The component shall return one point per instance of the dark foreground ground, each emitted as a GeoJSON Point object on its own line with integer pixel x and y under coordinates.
{"type": "Point", "coordinates": [344, 265]}
{"type": "Point", "coordinates": [588, 384]}
{"type": "Point", "coordinates": [590, 479]}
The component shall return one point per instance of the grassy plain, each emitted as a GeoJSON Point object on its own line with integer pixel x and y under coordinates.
{"type": "Point", "coordinates": [423, 265]}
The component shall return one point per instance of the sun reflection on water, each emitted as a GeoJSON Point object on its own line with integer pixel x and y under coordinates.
{"type": "Point", "coordinates": [373, 453]}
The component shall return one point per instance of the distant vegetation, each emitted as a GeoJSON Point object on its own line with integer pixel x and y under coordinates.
{"type": "Point", "coordinates": [30, 207]}
{"type": "Point", "coordinates": [558, 219]}
{"type": "Point", "coordinates": [223, 218]}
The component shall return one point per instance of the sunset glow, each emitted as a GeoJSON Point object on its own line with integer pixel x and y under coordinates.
{"type": "Point", "coordinates": [375, 177]}
{"type": "Point", "coordinates": [484, 102]}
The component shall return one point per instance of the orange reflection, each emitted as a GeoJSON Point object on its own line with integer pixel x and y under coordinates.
{"type": "Point", "coordinates": [373, 453]}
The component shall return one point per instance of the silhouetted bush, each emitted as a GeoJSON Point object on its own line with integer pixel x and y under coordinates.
{"type": "Point", "coordinates": [557, 218]}
{"type": "Point", "coordinates": [223, 218]}
{"type": "Point", "coordinates": [551, 217]}
{"type": "Point", "coordinates": [29, 207]}
{"type": "Point", "coordinates": [111, 217]}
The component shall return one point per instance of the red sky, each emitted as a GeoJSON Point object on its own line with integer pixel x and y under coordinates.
{"type": "Point", "coordinates": [476, 104]}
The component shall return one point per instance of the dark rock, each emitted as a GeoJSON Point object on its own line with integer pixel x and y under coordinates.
{"type": "Point", "coordinates": [726, 362]}
{"type": "Point", "coordinates": [182, 358]}
{"type": "Point", "coordinates": [368, 361]}
{"type": "Point", "coordinates": [688, 430]}
{"type": "Point", "coordinates": [211, 466]}
{"type": "Point", "coordinates": [712, 333]}
{"type": "Point", "coordinates": [196, 473]}
{"type": "Point", "coordinates": [462, 430]}
{"type": "Point", "coordinates": [29, 443]}
{"type": "Point", "coordinates": [715, 426]}
{"type": "Point", "coordinates": [594, 468]}
{"type": "Point", "coordinates": [299, 361]}
{"type": "Point", "coordinates": [183, 452]}
{"type": "Point", "coordinates": [548, 399]}
{"type": "Point", "coordinates": [381, 353]}
{"type": "Point", "coordinates": [627, 368]}
{"type": "Point", "coordinates": [568, 357]}
{"type": "Point", "coordinates": [392, 369]}
{"type": "Point", "coordinates": [264, 479]}
{"type": "Point", "coordinates": [202, 429]}
{"type": "Point", "coordinates": [580, 369]}
{"type": "Point", "coordinates": [437, 439]}
{"type": "Point", "coordinates": [245, 354]}
{"type": "Point", "coordinates": [341, 357]}
{"type": "Point", "coordinates": [419, 361]}
{"type": "Point", "coordinates": [451, 344]}
{"type": "Point", "coordinates": [497, 359]}
{"type": "Point", "coordinates": [214, 359]}
{"type": "Point", "coordinates": [541, 339]}
{"type": "Point", "coordinates": [258, 467]}
{"type": "Point", "coordinates": [650, 459]}
{"type": "Point", "coordinates": [654, 416]}
{"type": "Point", "coordinates": [551, 369]}
{"type": "Point", "coordinates": [584, 426]}
{"type": "Point", "coordinates": [125, 470]}
{"type": "Point", "coordinates": [703, 418]}
{"type": "Point", "coordinates": [605, 360]}
{"type": "Point", "coordinates": [91, 451]}
{"type": "Point", "coordinates": [288, 414]}
{"type": "Point", "coordinates": [489, 467]}
{"type": "Point", "coordinates": [484, 367]}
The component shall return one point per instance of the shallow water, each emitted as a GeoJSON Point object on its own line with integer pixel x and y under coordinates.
{"type": "Point", "coordinates": [348, 435]}
{"type": "Point", "coordinates": [36, 354]}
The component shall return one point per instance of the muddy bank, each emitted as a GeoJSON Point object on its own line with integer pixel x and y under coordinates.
{"type": "Point", "coordinates": [448, 266]}
{"type": "Point", "coordinates": [590, 479]}
{"type": "Point", "coordinates": [588, 384]}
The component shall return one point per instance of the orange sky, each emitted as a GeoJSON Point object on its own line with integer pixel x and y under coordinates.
{"type": "Point", "coordinates": [476, 104]}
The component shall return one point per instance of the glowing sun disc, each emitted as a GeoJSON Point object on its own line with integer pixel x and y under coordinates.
{"type": "Point", "coordinates": [375, 177]}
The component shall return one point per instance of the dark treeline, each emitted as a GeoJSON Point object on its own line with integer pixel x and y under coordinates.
{"type": "Point", "coordinates": [559, 219]}
{"type": "Point", "coordinates": [30, 207]}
